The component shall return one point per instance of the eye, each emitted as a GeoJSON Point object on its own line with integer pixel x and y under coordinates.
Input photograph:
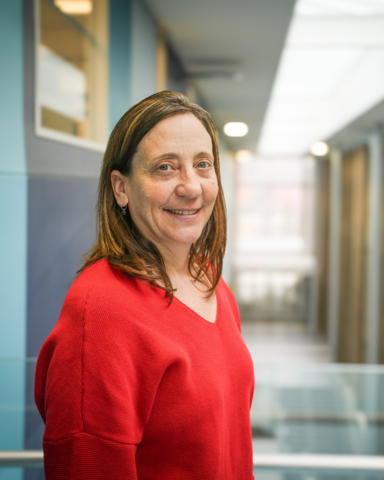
{"type": "Point", "coordinates": [165, 167]}
{"type": "Point", "coordinates": [203, 165]}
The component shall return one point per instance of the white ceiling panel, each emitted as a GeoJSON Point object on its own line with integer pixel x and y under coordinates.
{"type": "Point", "coordinates": [337, 32]}
{"type": "Point", "coordinates": [328, 8]}
{"type": "Point", "coordinates": [313, 73]}
{"type": "Point", "coordinates": [331, 72]}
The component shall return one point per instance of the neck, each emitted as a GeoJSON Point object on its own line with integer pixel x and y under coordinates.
{"type": "Point", "coordinates": [176, 259]}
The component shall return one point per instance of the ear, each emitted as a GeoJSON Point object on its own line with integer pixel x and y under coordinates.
{"type": "Point", "coordinates": [118, 181]}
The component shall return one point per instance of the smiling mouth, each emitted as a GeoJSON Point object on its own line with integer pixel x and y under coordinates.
{"type": "Point", "coordinates": [182, 212]}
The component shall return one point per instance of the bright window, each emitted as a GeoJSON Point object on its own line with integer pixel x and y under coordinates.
{"type": "Point", "coordinates": [72, 71]}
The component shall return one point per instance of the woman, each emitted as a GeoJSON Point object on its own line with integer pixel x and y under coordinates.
{"type": "Point", "coordinates": [146, 376]}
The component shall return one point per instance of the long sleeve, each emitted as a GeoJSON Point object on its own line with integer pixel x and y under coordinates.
{"type": "Point", "coordinates": [94, 394]}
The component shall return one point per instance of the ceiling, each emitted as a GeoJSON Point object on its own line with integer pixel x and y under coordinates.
{"type": "Point", "coordinates": [231, 49]}
{"type": "Point", "coordinates": [331, 73]}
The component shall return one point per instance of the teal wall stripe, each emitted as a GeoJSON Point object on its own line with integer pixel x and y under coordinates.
{"type": "Point", "coordinates": [13, 184]}
{"type": "Point", "coordinates": [120, 40]}
{"type": "Point", "coordinates": [12, 157]}
{"type": "Point", "coordinates": [13, 248]}
{"type": "Point", "coordinates": [13, 231]}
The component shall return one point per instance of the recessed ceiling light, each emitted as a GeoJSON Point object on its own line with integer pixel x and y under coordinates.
{"type": "Point", "coordinates": [74, 7]}
{"type": "Point", "coordinates": [319, 149]}
{"type": "Point", "coordinates": [243, 156]}
{"type": "Point", "coordinates": [236, 129]}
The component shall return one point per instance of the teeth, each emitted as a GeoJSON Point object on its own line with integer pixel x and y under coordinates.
{"type": "Point", "coordinates": [183, 212]}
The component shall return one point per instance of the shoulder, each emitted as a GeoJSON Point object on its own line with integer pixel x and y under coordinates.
{"type": "Point", "coordinates": [99, 277]}
{"type": "Point", "coordinates": [105, 285]}
{"type": "Point", "coordinates": [100, 302]}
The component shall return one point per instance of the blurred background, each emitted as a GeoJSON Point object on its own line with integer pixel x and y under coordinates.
{"type": "Point", "coordinates": [297, 91]}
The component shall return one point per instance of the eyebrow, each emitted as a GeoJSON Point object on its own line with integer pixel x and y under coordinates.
{"type": "Point", "coordinates": [176, 156]}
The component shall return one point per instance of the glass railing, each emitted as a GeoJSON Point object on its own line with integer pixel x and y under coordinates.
{"type": "Point", "coordinates": [328, 413]}
{"type": "Point", "coordinates": [319, 466]}
{"type": "Point", "coordinates": [21, 429]}
{"type": "Point", "coordinates": [323, 409]}
{"type": "Point", "coordinates": [316, 413]}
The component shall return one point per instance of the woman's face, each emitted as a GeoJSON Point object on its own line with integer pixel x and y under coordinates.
{"type": "Point", "coordinates": [173, 185]}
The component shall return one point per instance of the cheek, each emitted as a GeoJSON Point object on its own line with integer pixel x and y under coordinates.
{"type": "Point", "coordinates": [212, 190]}
{"type": "Point", "coordinates": [145, 192]}
{"type": "Point", "coordinates": [156, 195]}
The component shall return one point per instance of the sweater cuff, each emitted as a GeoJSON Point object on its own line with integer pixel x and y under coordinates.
{"type": "Point", "coordinates": [83, 456]}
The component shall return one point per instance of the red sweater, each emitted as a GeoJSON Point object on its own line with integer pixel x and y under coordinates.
{"type": "Point", "coordinates": [130, 387]}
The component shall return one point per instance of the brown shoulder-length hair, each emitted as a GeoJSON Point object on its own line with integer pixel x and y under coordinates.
{"type": "Point", "coordinates": [118, 239]}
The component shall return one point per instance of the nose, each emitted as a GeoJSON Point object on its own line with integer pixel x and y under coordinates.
{"type": "Point", "coordinates": [189, 185]}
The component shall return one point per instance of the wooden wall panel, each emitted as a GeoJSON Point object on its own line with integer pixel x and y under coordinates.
{"type": "Point", "coordinates": [353, 257]}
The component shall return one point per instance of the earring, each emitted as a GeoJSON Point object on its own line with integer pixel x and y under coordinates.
{"type": "Point", "coordinates": [123, 209]}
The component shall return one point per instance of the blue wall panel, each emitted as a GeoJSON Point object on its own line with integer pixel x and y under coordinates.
{"type": "Point", "coordinates": [13, 225]}
{"type": "Point", "coordinates": [61, 229]}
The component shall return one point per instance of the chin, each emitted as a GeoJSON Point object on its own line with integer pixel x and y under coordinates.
{"type": "Point", "coordinates": [185, 241]}
{"type": "Point", "coordinates": [187, 238]}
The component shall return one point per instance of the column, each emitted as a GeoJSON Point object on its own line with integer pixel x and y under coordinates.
{"type": "Point", "coordinates": [375, 180]}
{"type": "Point", "coordinates": [334, 250]}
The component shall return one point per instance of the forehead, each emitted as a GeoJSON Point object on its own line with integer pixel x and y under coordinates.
{"type": "Point", "coordinates": [176, 131]}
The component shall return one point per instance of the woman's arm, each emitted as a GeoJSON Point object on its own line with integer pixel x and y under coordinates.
{"type": "Point", "coordinates": [95, 386]}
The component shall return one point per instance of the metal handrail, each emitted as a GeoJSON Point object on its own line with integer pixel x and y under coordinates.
{"type": "Point", "coordinates": [22, 459]}
{"type": "Point", "coordinates": [341, 463]}
{"type": "Point", "coordinates": [358, 417]}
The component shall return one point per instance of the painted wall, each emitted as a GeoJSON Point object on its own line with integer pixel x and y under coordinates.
{"type": "Point", "coordinates": [132, 56]}
{"type": "Point", "coordinates": [176, 78]}
{"type": "Point", "coordinates": [144, 45]}
{"type": "Point", "coordinates": [13, 184]}
{"type": "Point", "coordinates": [13, 232]}
{"type": "Point", "coordinates": [120, 58]}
